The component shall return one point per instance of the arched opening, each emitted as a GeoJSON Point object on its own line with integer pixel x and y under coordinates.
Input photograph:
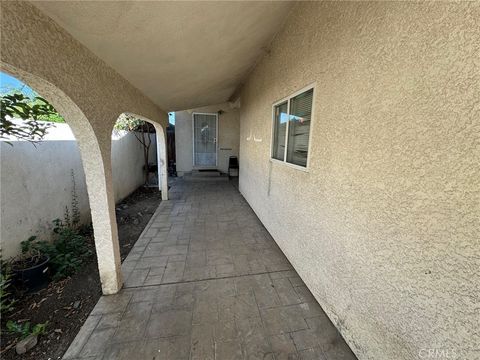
{"type": "Point", "coordinates": [151, 136]}
{"type": "Point", "coordinates": [42, 174]}
{"type": "Point", "coordinates": [137, 172]}
{"type": "Point", "coordinates": [95, 157]}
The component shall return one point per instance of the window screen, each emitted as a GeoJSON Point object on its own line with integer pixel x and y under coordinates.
{"type": "Point", "coordinates": [291, 129]}
{"type": "Point", "coordinates": [280, 131]}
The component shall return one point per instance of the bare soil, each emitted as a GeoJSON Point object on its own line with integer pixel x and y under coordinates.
{"type": "Point", "coordinates": [65, 304]}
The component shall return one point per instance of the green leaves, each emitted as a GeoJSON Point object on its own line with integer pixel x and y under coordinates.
{"type": "Point", "coordinates": [28, 245]}
{"type": "Point", "coordinates": [68, 251]}
{"type": "Point", "coordinates": [128, 123]}
{"type": "Point", "coordinates": [39, 329]}
{"type": "Point", "coordinates": [25, 329]}
{"type": "Point", "coordinates": [14, 327]}
{"type": "Point", "coordinates": [34, 112]}
{"type": "Point", "coordinates": [6, 302]}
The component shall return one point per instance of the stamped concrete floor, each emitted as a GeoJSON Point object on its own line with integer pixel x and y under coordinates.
{"type": "Point", "coordinates": [205, 281]}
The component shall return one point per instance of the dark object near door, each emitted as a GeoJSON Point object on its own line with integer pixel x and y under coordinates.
{"type": "Point", "coordinates": [232, 164]}
{"type": "Point", "coordinates": [152, 168]}
{"type": "Point", "coordinates": [172, 166]}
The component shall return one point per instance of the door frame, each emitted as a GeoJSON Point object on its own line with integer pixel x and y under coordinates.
{"type": "Point", "coordinates": [193, 140]}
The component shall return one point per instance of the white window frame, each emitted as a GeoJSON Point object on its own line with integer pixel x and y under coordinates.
{"type": "Point", "coordinates": [193, 140]}
{"type": "Point", "coordinates": [287, 99]}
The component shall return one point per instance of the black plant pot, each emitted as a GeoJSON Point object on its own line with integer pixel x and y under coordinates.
{"type": "Point", "coordinates": [33, 278]}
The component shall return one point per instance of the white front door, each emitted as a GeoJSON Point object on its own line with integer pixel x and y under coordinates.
{"type": "Point", "coordinates": [204, 140]}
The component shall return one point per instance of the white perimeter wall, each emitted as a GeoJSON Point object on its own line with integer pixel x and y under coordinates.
{"type": "Point", "coordinates": [36, 183]}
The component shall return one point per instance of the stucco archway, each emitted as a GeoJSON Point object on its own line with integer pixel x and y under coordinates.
{"type": "Point", "coordinates": [161, 154]}
{"type": "Point", "coordinates": [98, 175]}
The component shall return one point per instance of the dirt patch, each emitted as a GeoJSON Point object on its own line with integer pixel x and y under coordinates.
{"type": "Point", "coordinates": [133, 215]}
{"type": "Point", "coordinates": [67, 303]}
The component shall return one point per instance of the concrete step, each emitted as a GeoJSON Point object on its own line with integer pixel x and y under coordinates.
{"type": "Point", "coordinates": [212, 175]}
{"type": "Point", "coordinates": [206, 178]}
{"type": "Point", "coordinates": [206, 173]}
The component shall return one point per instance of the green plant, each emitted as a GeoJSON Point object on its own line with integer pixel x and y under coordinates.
{"type": "Point", "coordinates": [32, 253]}
{"type": "Point", "coordinates": [71, 220]}
{"type": "Point", "coordinates": [71, 251]}
{"type": "Point", "coordinates": [6, 301]}
{"type": "Point", "coordinates": [85, 230]}
{"type": "Point", "coordinates": [25, 329]}
{"type": "Point", "coordinates": [68, 250]}
{"type": "Point", "coordinates": [34, 112]}
{"type": "Point", "coordinates": [75, 208]}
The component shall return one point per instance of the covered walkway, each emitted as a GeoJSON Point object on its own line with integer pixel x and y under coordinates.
{"type": "Point", "coordinates": [206, 281]}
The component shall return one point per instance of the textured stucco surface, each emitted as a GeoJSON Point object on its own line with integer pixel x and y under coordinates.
{"type": "Point", "coordinates": [182, 54]}
{"type": "Point", "coordinates": [384, 227]}
{"type": "Point", "coordinates": [228, 136]}
{"type": "Point", "coordinates": [37, 192]}
{"type": "Point", "coordinates": [90, 95]}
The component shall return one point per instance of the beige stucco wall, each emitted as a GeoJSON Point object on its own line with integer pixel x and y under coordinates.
{"type": "Point", "coordinates": [384, 227]}
{"type": "Point", "coordinates": [228, 136]}
{"type": "Point", "coordinates": [90, 95]}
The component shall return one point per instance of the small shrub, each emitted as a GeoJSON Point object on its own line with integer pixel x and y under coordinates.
{"type": "Point", "coordinates": [32, 253]}
{"type": "Point", "coordinates": [6, 300]}
{"type": "Point", "coordinates": [85, 230]}
{"type": "Point", "coordinates": [69, 248]}
{"type": "Point", "coordinates": [67, 252]}
{"type": "Point", "coordinates": [75, 205]}
{"type": "Point", "coordinates": [25, 329]}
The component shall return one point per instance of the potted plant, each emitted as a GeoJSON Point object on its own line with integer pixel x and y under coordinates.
{"type": "Point", "coordinates": [31, 267]}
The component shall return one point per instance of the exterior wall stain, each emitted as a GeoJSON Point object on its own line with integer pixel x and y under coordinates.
{"type": "Point", "coordinates": [384, 225]}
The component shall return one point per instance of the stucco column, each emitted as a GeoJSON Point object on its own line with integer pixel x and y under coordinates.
{"type": "Point", "coordinates": [162, 161]}
{"type": "Point", "coordinates": [98, 176]}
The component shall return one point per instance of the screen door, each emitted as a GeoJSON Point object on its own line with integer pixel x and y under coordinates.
{"type": "Point", "coordinates": [204, 140]}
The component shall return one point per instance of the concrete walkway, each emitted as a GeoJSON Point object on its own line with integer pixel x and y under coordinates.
{"type": "Point", "coordinates": [206, 281]}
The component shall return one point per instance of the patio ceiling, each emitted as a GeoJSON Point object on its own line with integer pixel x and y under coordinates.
{"type": "Point", "coordinates": [180, 54]}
